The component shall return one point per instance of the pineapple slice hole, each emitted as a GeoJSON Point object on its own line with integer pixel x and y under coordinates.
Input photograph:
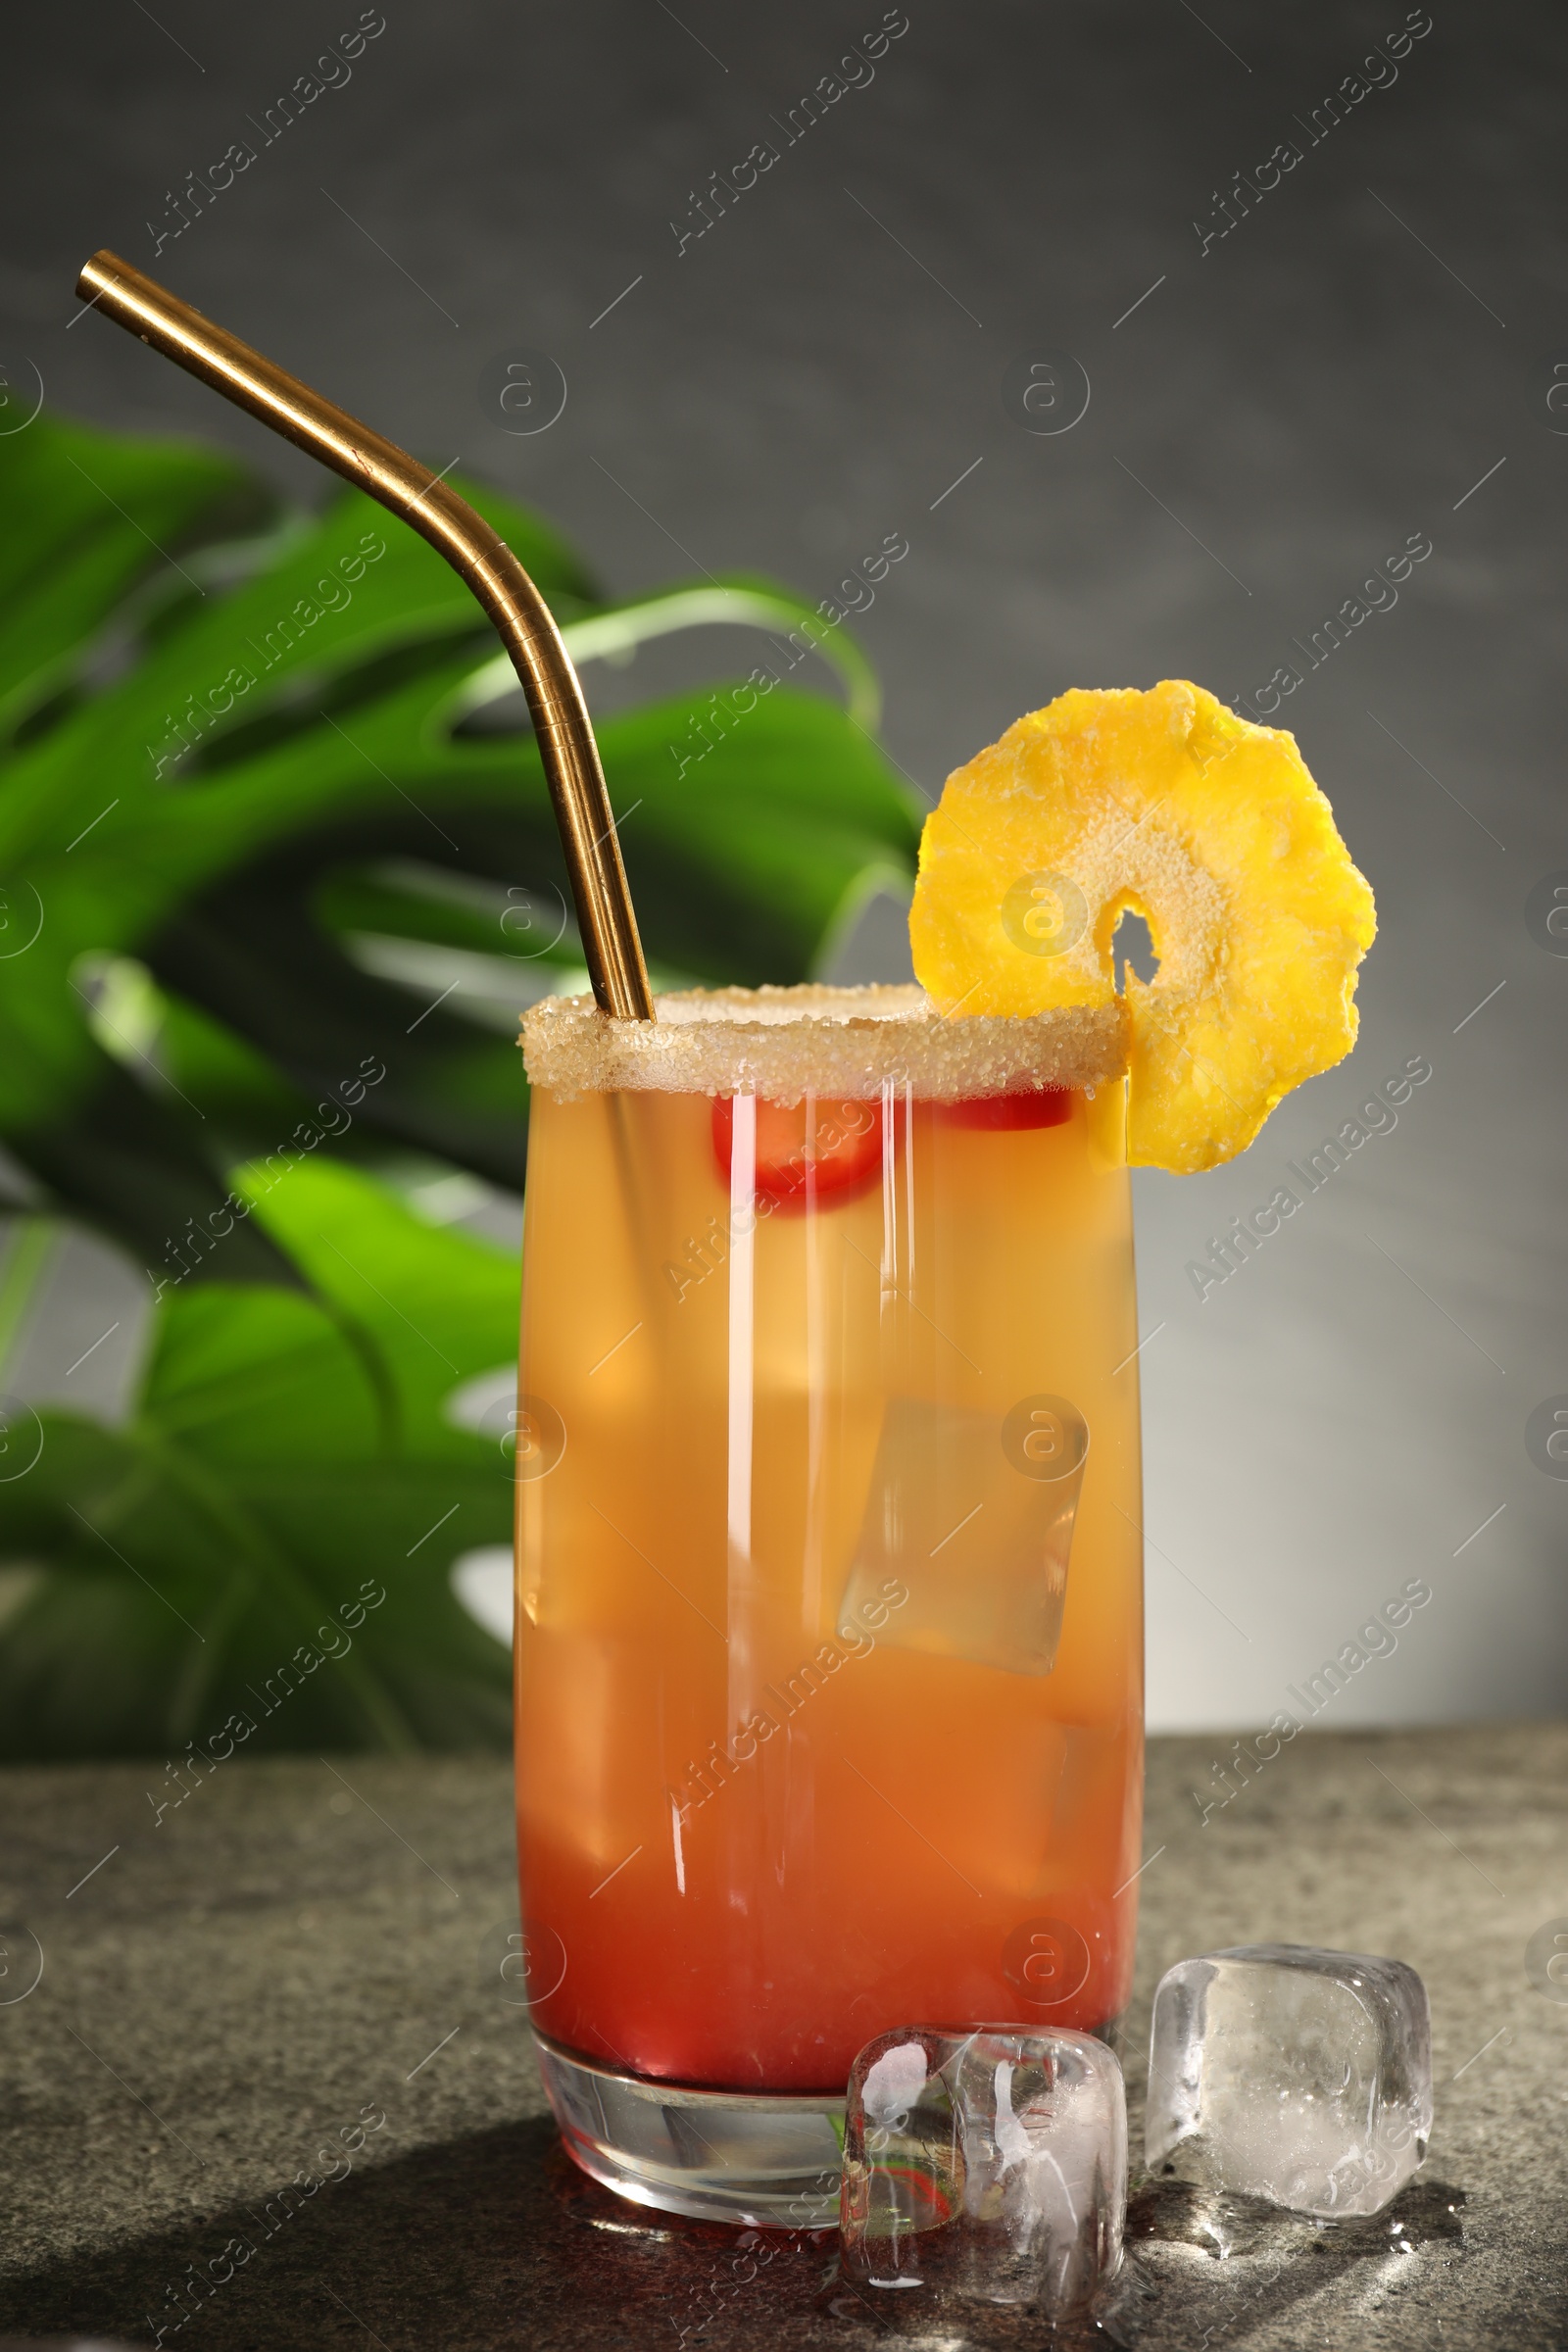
{"type": "Point", "coordinates": [1132, 950]}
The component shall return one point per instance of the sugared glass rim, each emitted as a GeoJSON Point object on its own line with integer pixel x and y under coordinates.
{"type": "Point", "coordinates": [845, 1044]}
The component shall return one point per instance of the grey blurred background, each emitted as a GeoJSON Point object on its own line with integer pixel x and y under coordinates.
{"type": "Point", "coordinates": [1365, 354]}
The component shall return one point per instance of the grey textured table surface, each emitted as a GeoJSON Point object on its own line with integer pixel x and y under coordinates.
{"type": "Point", "coordinates": [302, 1948]}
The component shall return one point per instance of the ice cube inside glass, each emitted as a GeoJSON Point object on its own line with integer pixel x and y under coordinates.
{"type": "Point", "coordinates": [991, 2165]}
{"type": "Point", "coordinates": [1296, 2075]}
{"type": "Point", "coordinates": [972, 1515]}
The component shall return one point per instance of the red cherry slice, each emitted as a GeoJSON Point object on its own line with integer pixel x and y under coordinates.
{"type": "Point", "coordinates": [1051, 1106]}
{"type": "Point", "coordinates": [821, 1152]}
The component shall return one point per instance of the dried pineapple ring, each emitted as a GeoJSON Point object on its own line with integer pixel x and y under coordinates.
{"type": "Point", "coordinates": [1211, 828]}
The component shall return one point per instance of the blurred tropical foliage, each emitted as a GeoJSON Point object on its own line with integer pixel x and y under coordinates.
{"type": "Point", "coordinates": [277, 868]}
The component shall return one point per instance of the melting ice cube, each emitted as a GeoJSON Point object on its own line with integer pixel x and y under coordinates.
{"type": "Point", "coordinates": [1299, 2075]}
{"type": "Point", "coordinates": [991, 2165]}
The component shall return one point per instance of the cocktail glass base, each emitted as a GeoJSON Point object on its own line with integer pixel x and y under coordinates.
{"type": "Point", "coordinates": [717, 2155]}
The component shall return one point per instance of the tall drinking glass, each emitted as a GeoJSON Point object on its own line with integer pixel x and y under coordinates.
{"type": "Point", "coordinates": [829, 1623]}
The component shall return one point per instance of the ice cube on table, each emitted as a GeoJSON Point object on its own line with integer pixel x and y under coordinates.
{"type": "Point", "coordinates": [990, 2165]}
{"type": "Point", "coordinates": [1298, 2075]}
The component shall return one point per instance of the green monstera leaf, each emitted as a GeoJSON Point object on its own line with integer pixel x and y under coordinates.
{"type": "Point", "coordinates": [217, 801]}
{"type": "Point", "coordinates": [278, 873]}
{"type": "Point", "coordinates": [271, 1532]}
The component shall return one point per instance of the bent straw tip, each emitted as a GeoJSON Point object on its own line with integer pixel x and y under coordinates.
{"type": "Point", "coordinates": [99, 271]}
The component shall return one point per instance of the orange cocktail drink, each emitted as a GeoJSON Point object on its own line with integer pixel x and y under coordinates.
{"type": "Point", "coordinates": [829, 1627]}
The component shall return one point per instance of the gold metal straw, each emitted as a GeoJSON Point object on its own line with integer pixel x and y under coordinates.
{"type": "Point", "coordinates": [474, 552]}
